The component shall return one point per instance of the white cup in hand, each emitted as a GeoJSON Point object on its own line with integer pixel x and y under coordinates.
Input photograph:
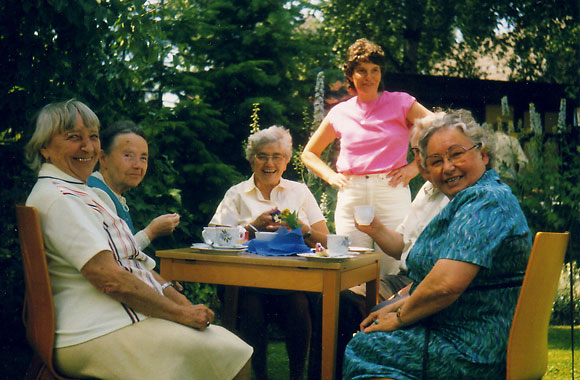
{"type": "Point", "coordinates": [364, 215]}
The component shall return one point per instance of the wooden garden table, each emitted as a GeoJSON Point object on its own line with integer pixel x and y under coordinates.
{"type": "Point", "coordinates": [276, 272]}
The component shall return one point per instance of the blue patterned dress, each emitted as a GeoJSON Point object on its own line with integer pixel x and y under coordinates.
{"type": "Point", "coordinates": [483, 225]}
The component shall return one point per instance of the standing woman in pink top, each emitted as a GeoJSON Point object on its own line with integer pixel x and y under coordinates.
{"type": "Point", "coordinates": [373, 128]}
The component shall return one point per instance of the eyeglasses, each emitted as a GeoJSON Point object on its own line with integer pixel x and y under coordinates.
{"type": "Point", "coordinates": [455, 154]}
{"type": "Point", "coordinates": [414, 151]}
{"type": "Point", "coordinates": [277, 158]}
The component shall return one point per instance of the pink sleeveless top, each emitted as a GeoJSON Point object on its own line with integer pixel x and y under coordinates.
{"type": "Point", "coordinates": [374, 136]}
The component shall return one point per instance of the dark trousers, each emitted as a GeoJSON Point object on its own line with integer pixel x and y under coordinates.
{"type": "Point", "coordinates": [257, 308]}
{"type": "Point", "coordinates": [351, 312]}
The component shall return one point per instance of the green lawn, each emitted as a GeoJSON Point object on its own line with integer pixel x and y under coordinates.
{"type": "Point", "coordinates": [559, 356]}
{"type": "Point", "coordinates": [559, 353]}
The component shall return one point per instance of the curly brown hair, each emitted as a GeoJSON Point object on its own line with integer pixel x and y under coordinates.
{"type": "Point", "coordinates": [363, 50]}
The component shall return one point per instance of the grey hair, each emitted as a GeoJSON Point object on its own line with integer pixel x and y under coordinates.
{"type": "Point", "coordinates": [52, 119]}
{"type": "Point", "coordinates": [463, 121]}
{"type": "Point", "coordinates": [423, 124]}
{"type": "Point", "coordinates": [273, 135]}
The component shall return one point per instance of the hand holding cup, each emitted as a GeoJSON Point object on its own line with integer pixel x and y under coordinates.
{"type": "Point", "coordinates": [364, 214]}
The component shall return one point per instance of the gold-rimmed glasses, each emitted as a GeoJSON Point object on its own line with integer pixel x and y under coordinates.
{"type": "Point", "coordinates": [455, 154]}
{"type": "Point", "coordinates": [276, 158]}
{"type": "Point", "coordinates": [414, 151]}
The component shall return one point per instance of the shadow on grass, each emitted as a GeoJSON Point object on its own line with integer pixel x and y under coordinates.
{"type": "Point", "coordinates": [559, 338]}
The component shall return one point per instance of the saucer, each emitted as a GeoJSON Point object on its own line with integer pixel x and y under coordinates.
{"type": "Point", "coordinates": [235, 246]}
{"type": "Point", "coordinates": [206, 248]}
{"type": "Point", "coordinates": [360, 249]}
{"type": "Point", "coordinates": [337, 258]}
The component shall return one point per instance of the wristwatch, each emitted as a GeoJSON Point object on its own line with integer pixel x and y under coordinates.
{"type": "Point", "coordinates": [307, 235]}
{"type": "Point", "coordinates": [167, 285]}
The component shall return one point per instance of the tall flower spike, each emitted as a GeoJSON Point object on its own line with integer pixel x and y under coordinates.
{"type": "Point", "coordinates": [562, 116]}
{"type": "Point", "coordinates": [255, 125]}
{"type": "Point", "coordinates": [319, 99]}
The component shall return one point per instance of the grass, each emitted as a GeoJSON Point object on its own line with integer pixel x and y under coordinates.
{"type": "Point", "coordinates": [559, 353]}
{"type": "Point", "coordinates": [559, 356]}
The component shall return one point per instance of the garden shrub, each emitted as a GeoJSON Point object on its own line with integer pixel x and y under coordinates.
{"type": "Point", "coordinates": [562, 309]}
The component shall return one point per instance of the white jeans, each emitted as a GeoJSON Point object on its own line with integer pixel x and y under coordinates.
{"type": "Point", "coordinates": [392, 204]}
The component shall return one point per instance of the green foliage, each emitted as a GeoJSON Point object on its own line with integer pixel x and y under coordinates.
{"type": "Point", "coordinates": [539, 39]}
{"type": "Point", "coordinates": [564, 309]}
{"type": "Point", "coordinates": [248, 50]}
{"type": "Point", "coordinates": [544, 40]}
{"type": "Point", "coordinates": [548, 189]}
{"type": "Point", "coordinates": [415, 34]}
{"type": "Point", "coordinates": [17, 183]}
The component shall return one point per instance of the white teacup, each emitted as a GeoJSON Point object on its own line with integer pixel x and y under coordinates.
{"type": "Point", "coordinates": [364, 215]}
{"type": "Point", "coordinates": [209, 235]}
{"type": "Point", "coordinates": [337, 244]}
{"type": "Point", "coordinates": [229, 236]}
{"type": "Point", "coordinates": [223, 236]}
{"type": "Point", "coordinates": [267, 236]}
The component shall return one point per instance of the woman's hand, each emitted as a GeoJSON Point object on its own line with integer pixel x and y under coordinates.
{"type": "Point", "coordinates": [105, 274]}
{"type": "Point", "coordinates": [390, 241]}
{"type": "Point", "coordinates": [442, 286]}
{"type": "Point", "coordinates": [265, 221]}
{"type": "Point", "coordinates": [373, 229]}
{"type": "Point", "coordinates": [337, 179]}
{"type": "Point", "coordinates": [383, 319]}
{"type": "Point", "coordinates": [197, 316]}
{"type": "Point", "coordinates": [162, 225]}
{"type": "Point", "coordinates": [403, 174]}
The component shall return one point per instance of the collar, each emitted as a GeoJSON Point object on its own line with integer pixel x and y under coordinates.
{"type": "Point", "coordinates": [249, 184]}
{"type": "Point", "coordinates": [490, 175]}
{"type": "Point", "coordinates": [48, 170]}
{"type": "Point", "coordinates": [121, 198]}
{"type": "Point", "coordinates": [430, 190]}
{"type": "Point", "coordinates": [100, 176]}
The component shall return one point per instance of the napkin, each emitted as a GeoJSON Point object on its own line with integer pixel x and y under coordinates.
{"type": "Point", "coordinates": [285, 244]}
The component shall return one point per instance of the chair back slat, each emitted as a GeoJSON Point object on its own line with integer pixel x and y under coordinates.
{"type": "Point", "coordinates": [38, 311]}
{"type": "Point", "coordinates": [527, 353]}
{"type": "Point", "coordinates": [39, 306]}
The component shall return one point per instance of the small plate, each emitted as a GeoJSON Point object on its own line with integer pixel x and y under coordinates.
{"type": "Point", "coordinates": [314, 256]}
{"type": "Point", "coordinates": [228, 247]}
{"type": "Point", "coordinates": [203, 247]}
{"type": "Point", "coordinates": [360, 249]}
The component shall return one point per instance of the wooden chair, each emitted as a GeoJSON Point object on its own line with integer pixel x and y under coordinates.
{"type": "Point", "coordinates": [527, 353]}
{"type": "Point", "coordinates": [38, 311]}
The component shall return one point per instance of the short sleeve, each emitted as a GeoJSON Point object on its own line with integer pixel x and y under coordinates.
{"type": "Point", "coordinates": [228, 211]}
{"type": "Point", "coordinates": [479, 226]}
{"type": "Point", "coordinates": [74, 230]}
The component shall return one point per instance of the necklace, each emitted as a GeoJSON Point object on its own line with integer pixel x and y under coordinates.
{"type": "Point", "coordinates": [368, 109]}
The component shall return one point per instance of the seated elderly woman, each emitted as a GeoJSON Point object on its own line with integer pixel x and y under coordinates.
{"type": "Point", "coordinates": [467, 267]}
{"type": "Point", "coordinates": [251, 204]}
{"type": "Point", "coordinates": [115, 317]}
{"type": "Point", "coordinates": [122, 166]}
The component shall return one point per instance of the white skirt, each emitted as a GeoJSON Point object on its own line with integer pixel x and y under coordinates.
{"type": "Point", "coordinates": [157, 349]}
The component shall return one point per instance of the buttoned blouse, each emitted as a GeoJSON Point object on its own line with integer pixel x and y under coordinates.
{"type": "Point", "coordinates": [244, 202]}
{"type": "Point", "coordinates": [76, 225]}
